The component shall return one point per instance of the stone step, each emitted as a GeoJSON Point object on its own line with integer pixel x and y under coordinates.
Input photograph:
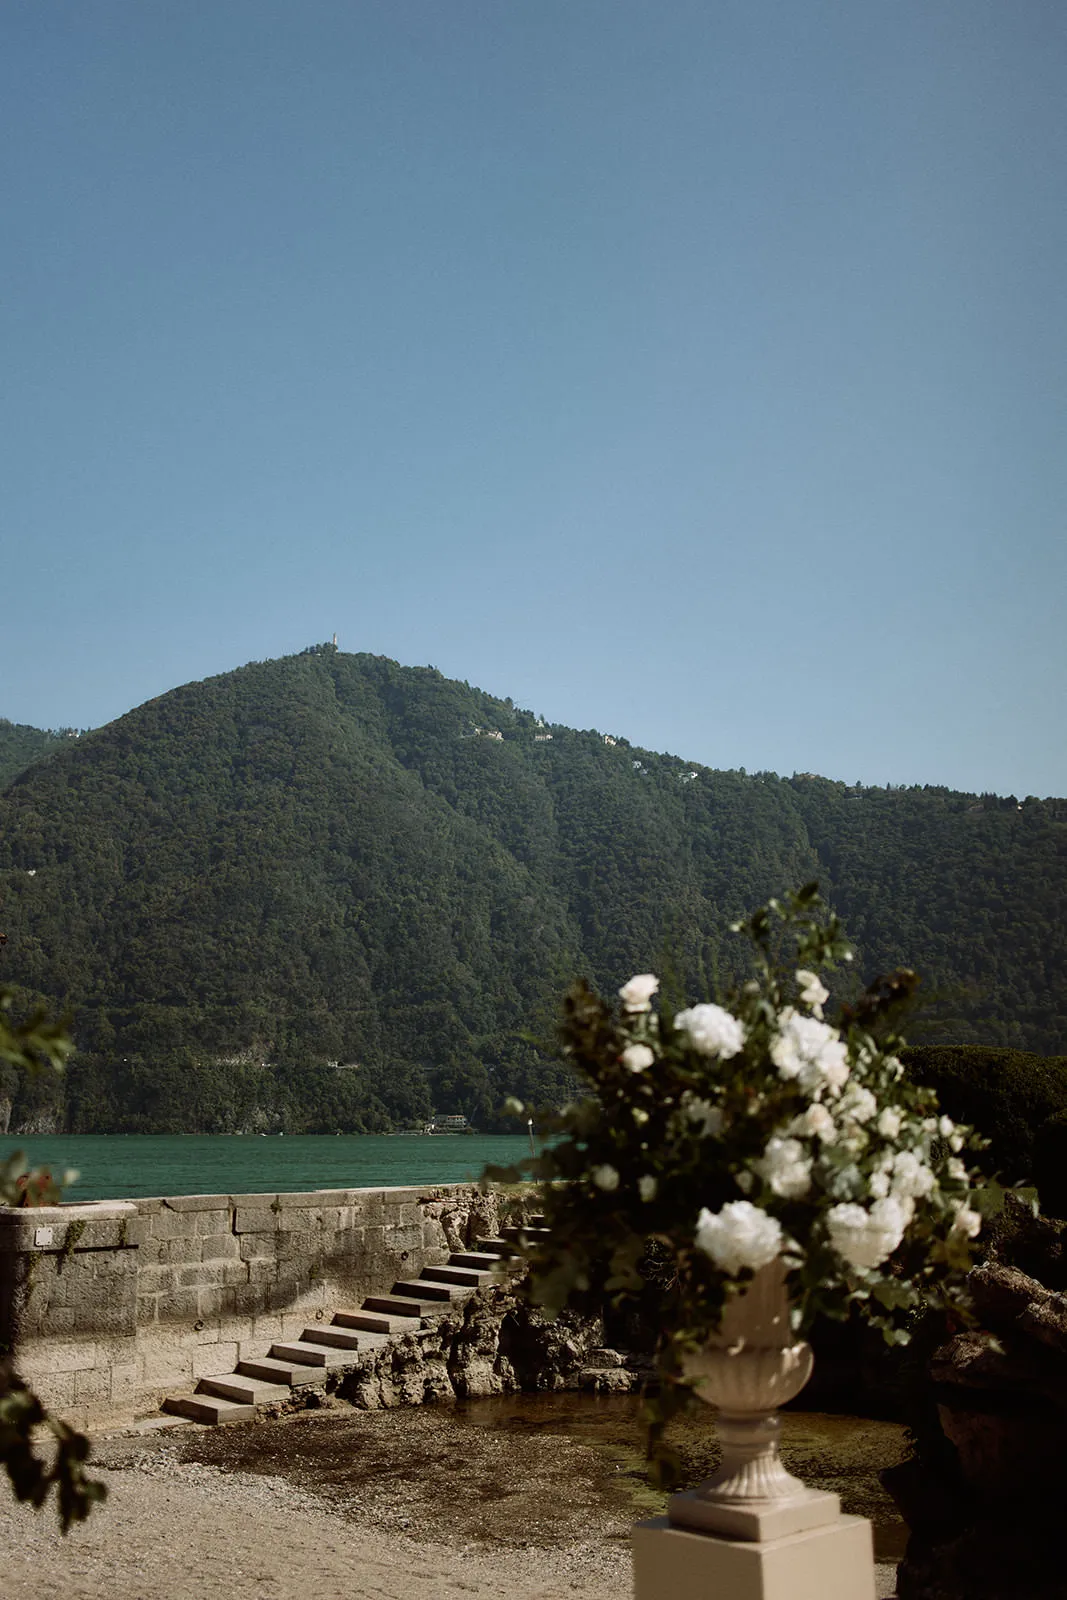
{"type": "Point", "coordinates": [311, 1355]}
{"type": "Point", "coordinates": [375, 1321]}
{"type": "Point", "coordinates": [464, 1277]}
{"type": "Point", "coordinates": [271, 1370]}
{"type": "Point", "coordinates": [500, 1248]}
{"type": "Point", "coordinates": [202, 1408]}
{"type": "Point", "coordinates": [344, 1338]}
{"type": "Point", "coordinates": [481, 1260]}
{"type": "Point", "coordinates": [404, 1305]}
{"type": "Point", "coordinates": [537, 1221]}
{"type": "Point", "coordinates": [519, 1231]}
{"type": "Point", "coordinates": [245, 1391]}
{"type": "Point", "coordinates": [423, 1289]}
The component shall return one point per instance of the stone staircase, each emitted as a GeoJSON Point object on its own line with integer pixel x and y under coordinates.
{"type": "Point", "coordinates": [292, 1364]}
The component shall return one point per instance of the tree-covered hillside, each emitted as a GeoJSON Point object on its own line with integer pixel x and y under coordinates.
{"type": "Point", "coordinates": [21, 745]}
{"type": "Point", "coordinates": [327, 891]}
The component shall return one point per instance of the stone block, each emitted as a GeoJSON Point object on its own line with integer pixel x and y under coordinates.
{"type": "Point", "coordinates": [221, 1247]}
{"type": "Point", "coordinates": [116, 1266]}
{"type": "Point", "coordinates": [180, 1250]}
{"type": "Point", "coordinates": [309, 1200]}
{"type": "Point", "coordinates": [254, 1202]}
{"type": "Point", "coordinates": [147, 1309]}
{"type": "Point", "coordinates": [198, 1202]}
{"type": "Point", "coordinates": [54, 1356]}
{"type": "Point", "coordinates": [214, 1222]}
{"type": "Point", "coordinates": [834, 1562]}
{"type": "Point", "coordinates": [257, 1246]}
{"type": "Point", "coordinates": [250, 1220]}
{"type": "Point", "coordinates": [302, 1246]}
{"type": "Point", "coordinates": [249, 1298]}
{"type": "Point", "coordinates": [334, 1197]}
{"type": "Point", "coordinates": [178, 1305]}
{"type": "Point", "coordinates": [197, 1276]}
{"type": "Point", "coordinates": [300, 1220]}
{"type": "Point", "coordinates": [151, 1279]}
{"type": "Point", "coordinates": [58, 1320]}
{"type": "Point", "coordinates": [55, 1390]}
{"type": "Point", "coordinates": [214, 1358]}
{"type": "Point", "coordinates": [107, 1319]}
{"type": "Point", "coordinates": [266, 1326]}
{"type": "Point", "coordinates": [124, 1379]}
{"type": "Point", "coordinates": [92, 1388]}
{"type": "Point", "coordinates": [163, 1366]}
{"type": "Point", "coordinates": [263, 1270]}
{"type": "Point", "coordinates": [405, 1236]}
{"type": "Point", "coordinates": [168, 1224]}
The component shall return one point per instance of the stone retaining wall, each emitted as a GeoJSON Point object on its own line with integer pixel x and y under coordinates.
{"type": "Point", "coordinates": [110, 1306]}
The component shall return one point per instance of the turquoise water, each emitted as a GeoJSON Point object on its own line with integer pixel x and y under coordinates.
{"type": "Point", "coordinates": [120, 1166]}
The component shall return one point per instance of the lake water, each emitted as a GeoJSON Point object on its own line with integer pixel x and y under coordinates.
{"type": "Point", "coordinates": [121, 1166]}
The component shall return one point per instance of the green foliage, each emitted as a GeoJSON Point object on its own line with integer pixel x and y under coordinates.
{"type": "Point", "coordinates": [718, 1139]}
{"type": "Point", "coordinates": [322, 859]}
{"type": "Point", "coordinates": [1007, 1094]}
{"type": "Point", "coordinates": [21, 746]}
{"type": "Point", "coordinates": [35, 1045]}
{"type": "Point", "coordinates": [32, 1477]}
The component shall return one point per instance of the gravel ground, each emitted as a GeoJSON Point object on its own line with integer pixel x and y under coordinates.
{"type": "Point", "coordinates": [417, 1504]}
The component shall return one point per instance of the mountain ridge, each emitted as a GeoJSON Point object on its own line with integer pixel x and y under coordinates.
{"type": "Point", "coordinates": [332, 857]}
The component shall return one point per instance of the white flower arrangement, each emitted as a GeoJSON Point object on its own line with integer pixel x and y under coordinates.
{"type": "Point", "coordinates": [724, 1134]}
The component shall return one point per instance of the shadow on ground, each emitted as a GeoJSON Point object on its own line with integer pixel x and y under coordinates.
{"type": "Point", "coordinates": [515, 1471]}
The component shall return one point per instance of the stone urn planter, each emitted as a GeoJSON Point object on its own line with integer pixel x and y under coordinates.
{"type": "Point", "coordinates": [749, 1368]}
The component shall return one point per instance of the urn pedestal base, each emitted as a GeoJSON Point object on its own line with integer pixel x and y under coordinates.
{"type": "Point", "coordinates": [834, 1562]}
{"type": "Point", "coordinates": [812, 1508]}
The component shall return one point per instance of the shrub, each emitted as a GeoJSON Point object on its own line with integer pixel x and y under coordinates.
{"type": "Point", "coordinates": [1008, 1095]}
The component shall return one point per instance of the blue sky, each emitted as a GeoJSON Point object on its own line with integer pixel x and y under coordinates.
{"type": "Point", "coordinates": [696, 371]}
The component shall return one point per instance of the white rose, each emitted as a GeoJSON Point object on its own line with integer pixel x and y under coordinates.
{"type": "Point", "coordinates": [911, 1177]}
{"type": "Point", "coordinates": [712, 1031]}
{"type": "Point", "coordinates": [956, 1169]}
{"type": "Point", "coordinates": [640, 1115]}
{"type": "Point", "coordinates": [890, 1121]}
{"type": "Point", "coordinates": [879, 1185]}
{"type": "Point", "coordinates": [858, 1103]}
{"type": "Point", "coordinates": [815, 1122]}
{"type": "Point", "coordinates": [946, 1127]}
{"type": "Point", "coordinates": [702, 1111]}
{"type": "Point", "coordinates": [636, 1057]}
{"type": "Point", "coordinates": [637, 994]}
{"type": "Point", "coordinates": [813, 993]}
{"type": "Point", "coordinates": [605, 1177]}
{"type": "Point", "coordinates": [784, 1167]}
{"type": "Point", "coordinates": [647, 1186]}
{"type": "Point", "coordinates": [866, 1238]}
{"type": "Point", "coordinates": [956, 1141]}
{"type": "Point", "coordinates": [929, 1124]}
{"type": "Point", "coordinates": [810, 1051]}
{"type": "Point", "coordinates": [967, 1222]}
{"type": "Point", "coordinates": [740, 1235]}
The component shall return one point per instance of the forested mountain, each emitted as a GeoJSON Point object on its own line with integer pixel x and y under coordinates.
{"type": "Point", "coordinates": [20, 745]}
{"type": "Point", "coordinates": [328, 891]}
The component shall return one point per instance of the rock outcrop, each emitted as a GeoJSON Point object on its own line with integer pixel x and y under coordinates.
{"type": "Point", "coordinates": [493, 1343]}
{"type": "Point", "coordinates": [984, 1498]}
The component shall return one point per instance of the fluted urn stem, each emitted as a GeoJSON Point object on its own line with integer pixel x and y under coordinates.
{"type": "Point", "coordinates": [750, 1367]}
